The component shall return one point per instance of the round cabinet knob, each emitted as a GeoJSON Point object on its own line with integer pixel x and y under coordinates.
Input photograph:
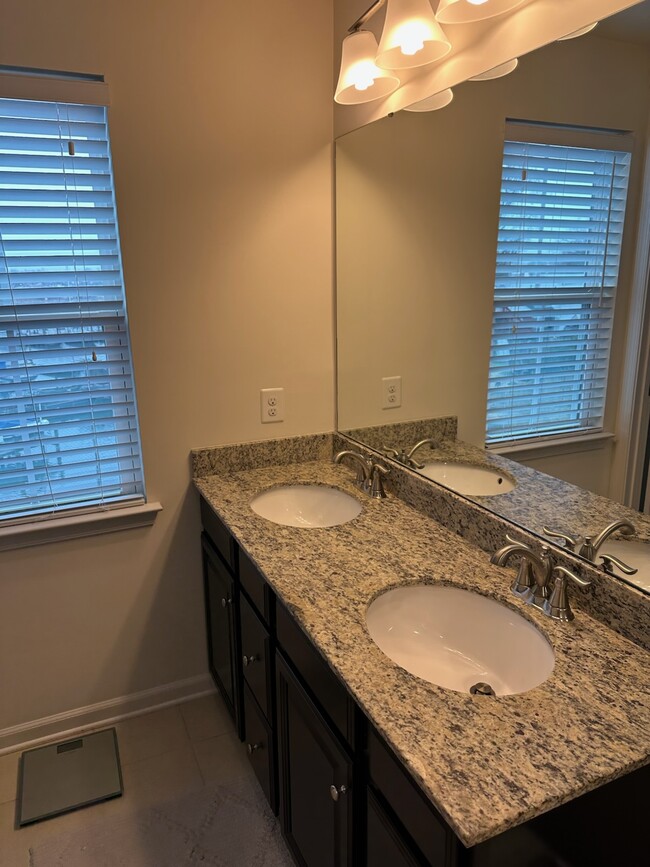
{"type": "Point", "coordinates": [249, 660]}
{"type": "Point", "coordinates": [336, 793]}
{"type": "Point", "coordinates": [252, 747]}
{"type": "Point", "coordinates": [225, 602]}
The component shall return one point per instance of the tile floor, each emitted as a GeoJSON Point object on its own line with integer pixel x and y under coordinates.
{"type": "Point", "coordinates": [163, 754]}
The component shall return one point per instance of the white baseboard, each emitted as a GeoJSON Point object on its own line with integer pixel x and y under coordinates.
{"type": "Point", "coordinates": [73, 722]}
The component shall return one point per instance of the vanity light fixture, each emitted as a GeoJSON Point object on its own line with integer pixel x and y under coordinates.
{"type": "Point", "coordinates": [466, 11]}
{"type": "Point", "coordinates": [360, 79]}
{"type": "Point", "coordinates": [497, 71]}
{"type": "Point", "coordinates": [433, 103]}
{"type": "Point", "coordinates": [582, 32]}
{"type": "Point", "coordinates": [411, 36]}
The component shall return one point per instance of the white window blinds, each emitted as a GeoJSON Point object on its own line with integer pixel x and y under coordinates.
{"type": "Point", "coordinates": [558, 257]}
{"type": "Point", "coordinates": [68, 424]}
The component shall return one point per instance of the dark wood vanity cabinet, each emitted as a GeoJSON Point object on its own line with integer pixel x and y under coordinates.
{"type": "Point", "coordinates": [344, 798]}
{"type": "Point", "coordinates": [221, 609]}
{"type": "Point", "coordinates": [316, 772]}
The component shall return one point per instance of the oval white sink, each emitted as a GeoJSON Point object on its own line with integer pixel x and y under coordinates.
{"type": "Point", "coordinates": [468, 479]}
{"type": "Point", "coordinates": [306, 506]}
{"type": "Point", "coordinates": [456, 639]}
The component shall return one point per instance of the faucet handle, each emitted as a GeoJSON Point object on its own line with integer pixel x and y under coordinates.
{"type": "Point", "coordinates": [514, 541]}
{"type": "Point", "coordinates": [377, 474]}
{"type": "Point", "coordinates": [609, 562]}
{"type": "Point", "coordinates": [569, 542]}
{"type": "Point", "coordinates": [557, 606]}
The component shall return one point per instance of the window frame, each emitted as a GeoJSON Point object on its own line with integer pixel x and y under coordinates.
{"type": "Point", "coordinates": [565, 135]}
{"type": "Point", "coordinates": [44, 525]}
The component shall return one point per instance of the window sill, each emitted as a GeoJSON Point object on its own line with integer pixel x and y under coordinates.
{"type": "Point", "coordinates": [552, 447]}
{"type": "Point", "coordinates": [44, 532]}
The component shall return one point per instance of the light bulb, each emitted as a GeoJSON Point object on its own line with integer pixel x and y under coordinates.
{"type": "Point", "coordinates": [363, 75]}
{"type": "Point", "coordinates": [411, 36]}
{"type": "Point", "coordinates": [360, 79]}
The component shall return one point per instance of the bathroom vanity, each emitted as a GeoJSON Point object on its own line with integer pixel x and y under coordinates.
{"type": "Point", "coordinates": [368, 765]}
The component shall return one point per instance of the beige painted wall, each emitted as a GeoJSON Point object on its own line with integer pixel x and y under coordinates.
{"type": "Point", "coordinates": [417, 218]}
{"type": "Point", "coordinates": [221, 127]}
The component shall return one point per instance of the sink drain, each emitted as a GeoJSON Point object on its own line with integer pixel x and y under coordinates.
{"type": "Point", "coordinates": [482, 689]}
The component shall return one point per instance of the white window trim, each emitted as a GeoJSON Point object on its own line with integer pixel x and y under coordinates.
{"type": "Point", "coordinates": [620, 140]}
{"type": "Point", "coordinates": [48, 530]}
{"type": "Point", "coordinates": [90, 89]}
{"type": "Point", "coordinates": [553, 446]}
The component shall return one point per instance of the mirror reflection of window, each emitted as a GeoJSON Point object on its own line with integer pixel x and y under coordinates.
{"type": "Point", "coordinates": [563, 198]}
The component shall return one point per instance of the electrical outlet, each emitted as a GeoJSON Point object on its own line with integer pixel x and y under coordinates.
{"type": "Point", "coordinates": [272, 405]}
{"type": "Point", "coordinates": [391, 392]}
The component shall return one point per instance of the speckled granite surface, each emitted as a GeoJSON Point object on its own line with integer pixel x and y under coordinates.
{"type": "Point", "coordinates": [404, 434]}
{"type": "Point", "coordinates": [537, 501]}
{"type": "Point", "coordinates": [616, 604]}
{"type": "Point", "coordinates": [230, 459]}
{"type": "Point", "coordinates": [587, 724]}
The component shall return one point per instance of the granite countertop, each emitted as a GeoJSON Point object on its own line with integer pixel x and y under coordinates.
{"type": "Point", "coordinates": [486, 763]}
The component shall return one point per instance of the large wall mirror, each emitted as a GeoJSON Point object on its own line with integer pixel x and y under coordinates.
{"type": "Point", "coordinates": [419, 220]}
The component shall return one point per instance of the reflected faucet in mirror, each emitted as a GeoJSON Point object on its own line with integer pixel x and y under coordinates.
{"type": "Point", "coordinates": [445, 217]}
{"type": "Point", "coordinates": [402, 457]}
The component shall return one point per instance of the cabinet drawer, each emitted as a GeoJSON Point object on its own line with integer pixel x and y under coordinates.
{"type": "Point", "coordinates": [256, 587]}
{"type": "Point", "coordinates": [219, 535]}
{"type": "Point", "coordinates": [386, 847]}
{"type": "Point", "coordinates": [260, 747]}
{"type": "Point", "coordinates": [256, 656]}
{"type": "Point", "coordinates": [316, 674]}
{"type": "Point", "coordinates": [410, 806]}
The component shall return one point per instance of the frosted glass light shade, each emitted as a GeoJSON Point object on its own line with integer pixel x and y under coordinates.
{"type": "Point", "coordinates": [466, 11]}
{"type": "Point", "coordinates": [582, 32]}
{"type": "Point", "coordinates": [497, 71]}
{"type": "Point", "coordinates": [433, 103]}
{"type": "Point", "coordinates": [360, 79]}
{"type": "Point", "coordinates": [411, 36]}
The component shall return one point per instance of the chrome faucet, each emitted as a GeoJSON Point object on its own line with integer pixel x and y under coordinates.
{"type": "Point", "coordinates": [557, 606]}
{"type": "Point", "coordinates": [362, 480]}
{"type": "Point", "coordinates": [591, 546]}
{"type": "Point", "coordinates": [407, 458]}
{"type": "Point", "coordinates": [534, 574]}
{"type": "Point", "coordinates": [370, 474]}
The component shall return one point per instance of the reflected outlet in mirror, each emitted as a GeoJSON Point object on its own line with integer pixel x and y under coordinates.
{"type": "Point", "coordinates": [426, 188]}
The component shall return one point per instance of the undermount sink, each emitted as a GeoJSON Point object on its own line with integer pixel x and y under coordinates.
{"type": "Point", "coordinates": [468, 479]}
{"type": "Point", "coordinates": [306, 506]}
{"type": "Point", "coordinates": [457, 639]}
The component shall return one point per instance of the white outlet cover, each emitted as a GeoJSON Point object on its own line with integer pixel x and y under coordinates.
{"type": "Point", "coordinates": [271, 405]}
{"type": "Point", "coordinates": [391, 392]}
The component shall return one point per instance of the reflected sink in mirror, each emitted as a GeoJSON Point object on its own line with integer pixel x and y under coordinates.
{"type": "Point", "coordinates": [456, 639]}
{"type": "Point", "coordinates": [306, 506]}
{"type": "Point", "coordinates": [467, 479]}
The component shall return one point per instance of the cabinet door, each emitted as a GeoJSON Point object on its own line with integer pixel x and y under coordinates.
{"type": "Point", "coordinates": [385, 846]}
{"type": "Point", "coordinates": [221, 614]}
{"type": "Point", "coordinates": [316, 803]}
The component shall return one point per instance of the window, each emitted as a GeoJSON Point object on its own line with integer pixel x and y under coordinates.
{"type": "Point", "coordinates": [68, 423]}
{"type": "Point", "coordinates": [558, 256]}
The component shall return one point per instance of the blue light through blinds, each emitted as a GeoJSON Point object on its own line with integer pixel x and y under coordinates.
{"type": "Point", "coordinates": [68, 425]}
{"type": "Point", "coordinates": [558, 257]}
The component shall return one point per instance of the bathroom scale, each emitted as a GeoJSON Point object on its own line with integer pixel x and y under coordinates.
{"type": "Point", "coordinates": [61, 777]}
